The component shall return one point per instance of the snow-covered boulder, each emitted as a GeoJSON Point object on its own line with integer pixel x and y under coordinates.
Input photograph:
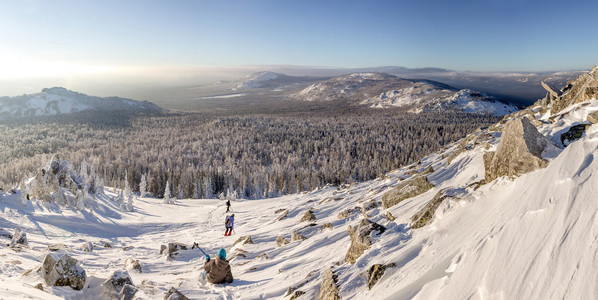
{"type": "Point", "coordinates": [18, 238]}
{"type": "Point", "coordinates": [115, 283]}
{"type": "Point", "coordinates": [132, 264]}
{"type": "Point", "coordinates": [426, 214]}
{"type": "Point", "coordinates": [308, 216]}
{"type": "Point", "coordinates": [361, 238]}
{"type": "Point", "coordinates": [329, 287]}
{"type": "Point", "coordinates": [127, 292]}
{"type": "Point", "coordinates": [406, 190]}
{"type": "Point", "coordinates": [518, 152]}
{"type": "Point", "coordinates": [59, 269]}
{"type": "Point", "coordinates": [295, 236]}
{"type": "Point", "coordinates": [174, 294]}
{"type": "Point", "coordinates": [281, 241]}
{"type": "Point", "coordinates": [87, 247]}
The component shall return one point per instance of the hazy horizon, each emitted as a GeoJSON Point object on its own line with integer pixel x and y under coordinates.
{"type": "Point", "coordinates": [112, 48]}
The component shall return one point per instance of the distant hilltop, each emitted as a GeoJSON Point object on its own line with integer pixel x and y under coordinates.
{"type": "Point", "coordinates": [59, 101]}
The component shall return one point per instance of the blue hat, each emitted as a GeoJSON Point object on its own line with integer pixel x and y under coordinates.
{"type": "Point", "coordinates": [222, 254]}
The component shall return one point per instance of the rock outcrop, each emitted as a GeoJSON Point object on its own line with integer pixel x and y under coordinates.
{"type": "Point", "coordinates": [284, 214]}
{"type": "Point", "coordinates": [309, 216]}
{"type": "Point", "coordinates": [518, 152]}
{"type": "Point", "coordinates": [426, 214]}
{"type": "Point", "coordinates": [171, 249]}
{"type": "Point", "coordinates": [329, 287]}
{"type": "Point", "coordinates": [574, 133]}
{"type": "Point", "coordinates": [361, 239]}
{"type": "Point", "coordinates": [593, 117]}
{"type": "Point", "coordinates": [295, 236]}
{"type": "Point", "coordinates": [327, 226]}
{"type": "Point", "coordinates": [60, 269]}
{"type": "Point", "coordinates": [281, 241]}
{"type": "Point", "coordinates": [583, 88]}
{"type": "Point", "coordinates": [374, 273]}
{"type": "Point", "coordinates": [243, 240]}
{"type": "Point", "coordinates": [406, 190]}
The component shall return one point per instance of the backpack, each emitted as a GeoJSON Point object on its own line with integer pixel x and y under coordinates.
{"type": "Point", "coordinates": [227, 222]}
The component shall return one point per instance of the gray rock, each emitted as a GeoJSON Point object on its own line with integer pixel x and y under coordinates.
{"type": "Point", "coordinates": [295, 236]}
{"type": "Point", "coordinates": [281, 241]}
{"type": "Point", "coordinates": [127, 292]}
{"type": "Point", "coordinates": [327, 226]}
{"type": "Point", "coordinates": [115, 283]}
{"type": "Point", "coordinates": [426, 214]}
{"type": "Point", "coordinates": [329, 286]}
{"type": "Point", "coordinates": [87, 247]}
{"type": "Point", "coordinates": [132, 264]}
{"type": "Point", "coordinates": [361, 239]}
{"type": "Point", "coordinates": [173, 294]}
{"type": "Point", "coordinates": [347, 213]}
{"type": "Point", "coordinates": [244, 240]}
{"type": "Point", "coordinates": [60, 269]}
{"type": "Point", "coordinates": [309, 216]}
{"type": "Point", "coordinates": [18, 238]}
{"type": "Point", "coordinates": [406, 190]}
{"type": "Point", "coordinates": [518, 152]}
{"type": "Point", "coordinates": [284, 214]}
{"type": "Point", "coordinates": [297, 294]}
{"type": "Point", "coordinates": [57, 247]}
{"type": "Point", "coordinates": [374, 273]}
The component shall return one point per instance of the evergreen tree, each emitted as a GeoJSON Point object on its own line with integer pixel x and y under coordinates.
{"type": "Point", "coordinates": [167, 199]}
{"type": "Point", "coordinates": [142, 186]}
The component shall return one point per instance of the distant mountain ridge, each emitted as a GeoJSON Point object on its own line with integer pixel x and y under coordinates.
{"type": "Point", "coordinates": [270, 80]}
{"type": "Point", "coordinates": [58, 101]}
{"type": "Point", "coordinates": [382, 90]}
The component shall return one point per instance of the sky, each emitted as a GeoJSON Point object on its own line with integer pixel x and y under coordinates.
{"type": "Point", "coordinates": [148, 42]}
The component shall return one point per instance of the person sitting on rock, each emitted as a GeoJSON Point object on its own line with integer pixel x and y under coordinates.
{"type": "Point", "coordinates": [218, 270]}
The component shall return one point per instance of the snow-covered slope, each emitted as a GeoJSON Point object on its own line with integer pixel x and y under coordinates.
{"type": "Point", "coordinates": [380, 90]}
{"type": "Point", "coordinates": [532, 237]}
{"type": "Point", "coordinates": [257, 80]}
{"type": "Point", "coordinates": [57, 100]}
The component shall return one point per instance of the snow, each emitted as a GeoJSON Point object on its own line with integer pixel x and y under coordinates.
{"type": "Point", "coordinates": [535, 237]}
{"type": "Point", "coordinates": [57, 100]}
{"type": "Point", "coordinates": [256, 80]}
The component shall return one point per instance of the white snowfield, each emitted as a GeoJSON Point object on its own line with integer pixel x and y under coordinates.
{"type": "Point", "coordinates": [57, 100]}
{"type": "Point", "coordinates": [535, 237]}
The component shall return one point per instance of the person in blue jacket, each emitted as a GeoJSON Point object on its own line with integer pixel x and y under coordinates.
{"type": "Point", "coordinates": [228, 223]}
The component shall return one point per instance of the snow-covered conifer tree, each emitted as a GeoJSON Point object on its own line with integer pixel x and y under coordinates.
{"type": "Point", "coordinates": [142, 186]}
{"type": "Point", "coordinates": [167, 199]}
{"type": "Point", "coordinates": [130, 202]}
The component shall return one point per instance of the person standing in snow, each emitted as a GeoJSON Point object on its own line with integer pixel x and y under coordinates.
{"type": "Point", "coordinates": [227, 205]}
{"type": "Point", "coordinates": [228, 223]}
{"type": "Point", "coordinates": [218, 270]}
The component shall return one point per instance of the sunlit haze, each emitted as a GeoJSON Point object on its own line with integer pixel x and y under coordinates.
{"type": "Point", "coordinates": [104, 46]}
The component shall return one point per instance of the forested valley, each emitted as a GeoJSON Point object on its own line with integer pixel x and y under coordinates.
{"type": "Point", "coordinates": [205, 155]}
